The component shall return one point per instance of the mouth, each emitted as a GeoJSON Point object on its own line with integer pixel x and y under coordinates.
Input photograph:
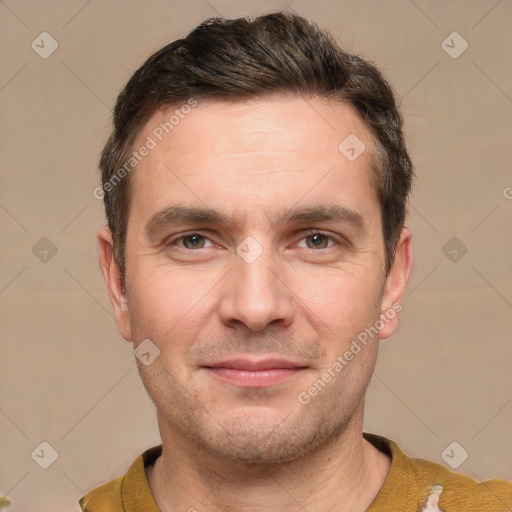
{"type": "Point", "coordinates": [255, 374]}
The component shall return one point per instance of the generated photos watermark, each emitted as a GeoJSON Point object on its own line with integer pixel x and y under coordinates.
{"type": "Point", "coordinates": [355, 348]}
{"type": "Point", "coordinates": [151, 142]}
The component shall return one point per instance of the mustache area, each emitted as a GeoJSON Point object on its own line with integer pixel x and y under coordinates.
{"type": "Point", "coordinates": [208, 352]}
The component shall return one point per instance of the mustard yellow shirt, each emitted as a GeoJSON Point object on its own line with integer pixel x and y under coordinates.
{"type": "Point", "coordinates": [407, 488]}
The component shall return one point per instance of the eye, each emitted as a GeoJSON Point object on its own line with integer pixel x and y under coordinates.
{"type": "Point", "coordinates": [192, 241]}
{"type": "Point", "coordinates": [318, 241]}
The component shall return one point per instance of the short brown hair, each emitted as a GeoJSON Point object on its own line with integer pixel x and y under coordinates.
{"type": "Point", "coordinates": [237, 59]}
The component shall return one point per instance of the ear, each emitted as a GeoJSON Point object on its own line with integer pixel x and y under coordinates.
{"type": "Point", "coordinates": [113, 278]}
{"type": "Point", "coordinates": [396, 283]}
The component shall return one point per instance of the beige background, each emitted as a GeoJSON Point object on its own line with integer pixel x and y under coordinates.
{"type": "Point", "coordinates": [66, 375]}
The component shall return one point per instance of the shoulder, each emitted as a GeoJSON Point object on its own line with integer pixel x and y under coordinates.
{"type": "Point", "coordinates": [460, 491]}
{"type": "Point", "coordinates": [130, 491]}
{"type": "Point", "coordinates": [415, 479]}
{"type": "Point", "coordinates": [104, 497]}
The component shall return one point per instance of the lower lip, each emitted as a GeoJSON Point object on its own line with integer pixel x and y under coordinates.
{"type": "Point", "coordinates": [255, 379]}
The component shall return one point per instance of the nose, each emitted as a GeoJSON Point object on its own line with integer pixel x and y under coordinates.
{"type": "Point", "coordinates": [256, 294]}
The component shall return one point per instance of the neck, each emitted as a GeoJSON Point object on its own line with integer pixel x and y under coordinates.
{"type": "Point", "coordinates": [344, 475]}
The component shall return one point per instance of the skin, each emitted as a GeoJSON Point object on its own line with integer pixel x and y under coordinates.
{"type": "Point", "coordinates": [305, 299]}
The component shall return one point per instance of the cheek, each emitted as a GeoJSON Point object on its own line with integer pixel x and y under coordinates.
{"type": "Point", "coordinates": [154, 309]}
{"type": "Point", "coordinates": [172, 310]}
{"type": "Point", "coordinates": [347, 302]}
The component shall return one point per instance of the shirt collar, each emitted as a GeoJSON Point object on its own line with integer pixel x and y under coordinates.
{"type": "Point", "coordinates": [136, 494]}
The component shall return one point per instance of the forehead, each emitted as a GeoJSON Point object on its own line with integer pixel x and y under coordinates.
{"type": "Point", "coordinates": [275, 143]}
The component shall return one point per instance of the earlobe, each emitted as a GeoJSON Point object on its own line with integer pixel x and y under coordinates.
{"type": "Point", "coordinates": [113, 278]}
{"type": "Point", "coordinates": [396, 284]}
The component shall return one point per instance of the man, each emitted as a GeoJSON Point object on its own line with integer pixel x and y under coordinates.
{"type": "Point", "coordinates": [255, 186]}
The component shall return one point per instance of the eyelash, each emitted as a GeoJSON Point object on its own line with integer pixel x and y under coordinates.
{"type": "Point", "coordinates": [331, 238]}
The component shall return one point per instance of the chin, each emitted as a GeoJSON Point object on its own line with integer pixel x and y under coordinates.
{"type": "Point", "coordinates": [254, 449]}
{"type": "Point", "coordinates": [260, 436]}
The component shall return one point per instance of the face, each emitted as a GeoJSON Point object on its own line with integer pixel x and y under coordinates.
{"type": "Point", "coordinates": [254, 259]}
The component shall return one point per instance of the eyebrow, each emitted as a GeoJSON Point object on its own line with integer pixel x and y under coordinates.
{"type": "Point", "coordinates": [323, 213]}
{"type": "Point", "coordinates": [179, 213]}
{"type": "Point", "coordinates": [175, 214]}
